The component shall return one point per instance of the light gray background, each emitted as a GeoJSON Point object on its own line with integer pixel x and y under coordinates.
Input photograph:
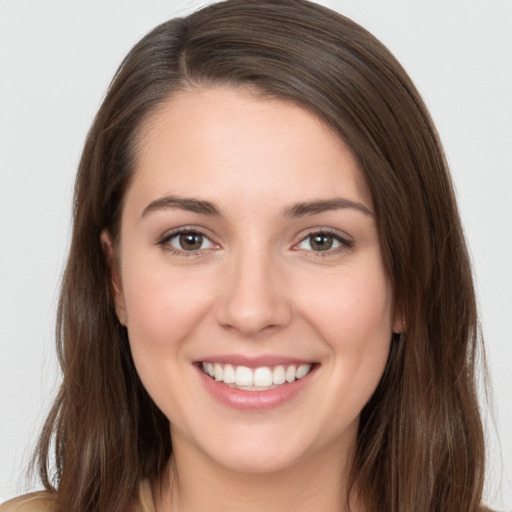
{"type": "Point", "coordinates": [56, 59]}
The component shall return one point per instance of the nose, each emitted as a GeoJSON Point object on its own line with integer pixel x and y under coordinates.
{"type": "Point", "coordinates": [254, 295]}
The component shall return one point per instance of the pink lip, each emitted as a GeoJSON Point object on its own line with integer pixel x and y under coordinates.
{"type": "Point", "coordinates": [254, 400]}
{"type": "Point", "coordinates": [253, 362]}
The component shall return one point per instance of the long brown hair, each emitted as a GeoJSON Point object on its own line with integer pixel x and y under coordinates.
{"type": "Point", "coordinates": [420, 444]}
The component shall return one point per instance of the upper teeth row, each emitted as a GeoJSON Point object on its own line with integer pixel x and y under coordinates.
{"type": "Point", "coordinates": [260, 377]}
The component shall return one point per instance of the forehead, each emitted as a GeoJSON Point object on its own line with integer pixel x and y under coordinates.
{"type": "Point", "coordinates": [230, 143]}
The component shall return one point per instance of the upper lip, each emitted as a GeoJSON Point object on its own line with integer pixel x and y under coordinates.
{"type": "Point", "coordinates": [254, 361]}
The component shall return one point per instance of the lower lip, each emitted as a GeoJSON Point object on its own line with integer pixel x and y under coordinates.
{"type": "Point", "coordinates": [254, 400]}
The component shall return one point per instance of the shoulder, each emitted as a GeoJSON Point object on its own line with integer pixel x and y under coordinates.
{"type": "Point", "coordinates": [44, 501]}
{"type": "Point", "coordinates": [41, 501]}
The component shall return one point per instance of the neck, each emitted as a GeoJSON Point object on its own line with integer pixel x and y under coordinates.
{"type": "Point", "coordinates": [195, 483]}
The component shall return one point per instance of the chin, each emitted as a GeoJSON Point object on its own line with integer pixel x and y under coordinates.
{"type": "Point", "coordinates": [262, 461]}
{"type": "Point", "coordinates": [274, 448]}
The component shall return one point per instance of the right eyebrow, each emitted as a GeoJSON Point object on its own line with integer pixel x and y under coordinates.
{"type": "Point", "coordinates": [189, 204]}
{"type": "Point", "coordinates": [325, 205]}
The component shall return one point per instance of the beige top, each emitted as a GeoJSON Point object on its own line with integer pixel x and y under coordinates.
{"type": "Point", "coordinates": [42, 501]}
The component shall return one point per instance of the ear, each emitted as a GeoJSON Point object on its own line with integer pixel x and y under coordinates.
{"type": "Point", "coordinates": [398, 320]}
{"type": "Point", "coordinates": [116, 288]}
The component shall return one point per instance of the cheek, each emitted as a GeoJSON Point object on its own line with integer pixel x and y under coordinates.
{"type": "Point", "coordinates": [356, 324]}
{"type": "Point", "coordinates": [164, 310]}
{"type": "Point", "coordinates": [355, 311]}
{"type": "Point", "coordinates": [163, 305]}
{"type": "Point", "coordinates": [355, 321]}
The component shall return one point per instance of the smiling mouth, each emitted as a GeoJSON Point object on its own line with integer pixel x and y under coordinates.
{"type": "Point", "coordinates": [255, 379]}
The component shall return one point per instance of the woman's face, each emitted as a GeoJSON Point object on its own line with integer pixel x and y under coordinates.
{"type": "Point", "coordinates": [249, 250]}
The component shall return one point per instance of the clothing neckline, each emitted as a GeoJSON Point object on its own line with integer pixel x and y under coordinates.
{"type": "Point", "coordinates": [147, 504]}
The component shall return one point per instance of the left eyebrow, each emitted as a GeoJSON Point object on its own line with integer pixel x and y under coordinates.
{"type": "Point", "coordinates": [325, 205]}
{"type": "Point", "coordinates": [190, 204]}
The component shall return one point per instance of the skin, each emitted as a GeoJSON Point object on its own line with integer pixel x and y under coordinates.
{"type": "Point", "coordinates": [255, 287]}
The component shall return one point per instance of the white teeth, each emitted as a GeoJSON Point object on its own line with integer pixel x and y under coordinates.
{"type": "Point", "coordinates": [243, 376]}
{"type": "Point", "coordinates": [290, 373]}
{"type": "Point", "coordinates": [218, 373]}
{"type": "Point", "coordinates": [229, 374]}
{"type": "Point", "coordinates": [279, 375]}
{"type": "Point", "coordinates": [256, 379]}
{"type": "Point", "coordinates": [263, 377]}
{"type": "Point", "coordinates": [302, 371]}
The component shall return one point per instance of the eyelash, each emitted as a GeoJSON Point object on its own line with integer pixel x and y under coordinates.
{"type": "Point", "coordinates": [165, 239]}
{"type": "Point", "coordinates": [344, 243]}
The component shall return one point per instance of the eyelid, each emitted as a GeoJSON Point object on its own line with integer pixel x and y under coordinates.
{"type": "Point", "coordinates": [169, 235]}
{"type": "Point", "coordinates": [346, 242]}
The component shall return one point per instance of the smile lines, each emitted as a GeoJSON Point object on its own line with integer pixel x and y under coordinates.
{"type": "Point", "coordinates": [257, 379]}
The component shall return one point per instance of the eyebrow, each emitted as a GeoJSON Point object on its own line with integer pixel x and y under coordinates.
{"type": "Point", "coordinates": [325, 205]}
{"type": "Point", "coordinates": [297, 210]}
{"type": "Point", "coordinates": [187, 204]}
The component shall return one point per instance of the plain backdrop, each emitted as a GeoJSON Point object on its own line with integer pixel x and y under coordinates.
{"type": "Point", "coordinates": [56, 60]}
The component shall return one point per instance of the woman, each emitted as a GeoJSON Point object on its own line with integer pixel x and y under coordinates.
{"type": "Point", "coordinates": [268, 301]}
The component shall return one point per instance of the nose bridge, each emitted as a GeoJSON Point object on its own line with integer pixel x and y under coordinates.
{"type": "Point", "coordinates": [254, 298]}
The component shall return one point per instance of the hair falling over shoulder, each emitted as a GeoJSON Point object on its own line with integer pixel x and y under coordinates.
{"type": "Point", "coordinates": [420, 444]}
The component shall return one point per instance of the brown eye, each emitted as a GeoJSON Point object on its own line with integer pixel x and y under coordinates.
{"type": "Point", "coordinates": [190, 241]}
{"type": "Point", "coordinates": [324, 242]}
{"type": "Point", "coordinates": [321, 242]}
